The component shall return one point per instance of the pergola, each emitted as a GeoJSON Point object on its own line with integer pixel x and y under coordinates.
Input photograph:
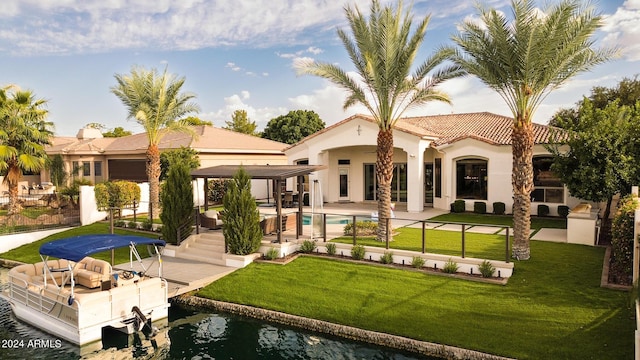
{"type": "Point", "coordinates": [277, 173]}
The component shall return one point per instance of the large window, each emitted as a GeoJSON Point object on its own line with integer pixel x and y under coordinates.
{"type": "Point", "coordinates": [86, 169]}
{"type": "Point", "coordinates": [471, 179]}
{"type": "Point", "coordinates": [437, 174]}
{"type": "Point", "coordinates": [398, 183]}
{"type": "Point", "coordinates": [97, 168]}
{"type": "Point", "coordinates": [547, 186]}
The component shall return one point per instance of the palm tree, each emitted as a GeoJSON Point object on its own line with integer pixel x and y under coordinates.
{"type": "Point", "coordinates": [382, 50]}
{"type": "Point", "coordinates": [524, 61]}
{"type": "Point", "coordinates": [24, 132]}
{"type": "Point", "coordinates": [155, 102]}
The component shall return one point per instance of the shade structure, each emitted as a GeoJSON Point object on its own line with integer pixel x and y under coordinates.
{"type": "Point", "coordinates": [78, 247]}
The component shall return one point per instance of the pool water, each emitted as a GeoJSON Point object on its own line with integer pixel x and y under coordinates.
{"type": "Point", "coordinates": [331, 219]}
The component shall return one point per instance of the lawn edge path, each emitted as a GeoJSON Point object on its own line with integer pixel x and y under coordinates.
{"type": "Point", "coordinates": [348, 332]}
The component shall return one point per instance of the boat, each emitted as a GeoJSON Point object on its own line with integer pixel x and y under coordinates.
{"type": "Point", "coordinates": [74, 296]}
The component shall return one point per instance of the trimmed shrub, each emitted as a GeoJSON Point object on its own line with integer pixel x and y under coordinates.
{"type": "Point", "coordinates": [272, 254]}
{"type": "Point", "coordinates": [357, 252]}
{"type": "Point", "coordinates": [147, 224]}
{"type": "Point", "coordinates": [622, 239]}
{"type": "Point", "coordinates": [451, 267]}
{"type": "Point", "coordinates": [132, 225]}
{"type": "Point", "coordinates": [387, 258]}
{"type": "Point", "coordinates": [363, 228]}
{"type": "Point", "coordinates": [459, 206]}
{"type": "Point", "coordinates": [487, 269]}
{"type": "Point", "coordinates": [417, 262]}
{"type": "Point", "coordinates": [216, 190]}
{"type": "Point", "coordinates": [543, 210]}
{"type": "Point", "coordinates": [331, 248]}
{"type": "Point", "coordinates": [563, 210]}
{"type": "Point", "coordinates": [308, 246]}
{"type": "Point", "coordinates": [480, 207]}
{"type": "Point", "coordinates": [499, 208]}
{"type": "Point", "coordinates": [119, 223]}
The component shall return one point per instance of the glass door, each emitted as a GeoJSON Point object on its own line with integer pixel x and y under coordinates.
{"type": "Point", "coordinates": [428, 184]}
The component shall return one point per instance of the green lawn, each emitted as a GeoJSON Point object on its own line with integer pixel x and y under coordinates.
{"type": "Point", "coordinates": [506, 220]}
{"type": "Point", "coordinates": [29, 253]}
{"type": "Point", "coordinates": [552, 307]}
{"type": "Point", "coordinates": [481, 246]}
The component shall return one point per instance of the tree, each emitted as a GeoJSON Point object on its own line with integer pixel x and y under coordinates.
{"type": "Point", "coordinates": [155, 101]}
{"type": "Point", "coordinates": [382, 50]}
{"type": "Point", "coordinates": [185, 155]}
{"type": "Point", "coordinates": [241, 227]}
{"type": "Point", "coordinates": [523, 61]}
{"type": "Point", "coordinates": [24, 132]}
{"type": "Point", "coordinates": [118, 131]}
{"type": "Point", "coordinates": [595, 156]}
{"type": "Point", "coordinates": [57, 172]}
{"type": "Point", "coordinates": [293, 127]}
{"type": "Point", "coordinates": [177, 204]}
{"type": "Point", "coordinates": [241, 123]}
{"type": "Point", "coordinates": [627, 92]}
{"type": "Point", "coordinates": [194, 121]}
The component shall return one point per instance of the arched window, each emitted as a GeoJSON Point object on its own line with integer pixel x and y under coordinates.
{"type": "Point", "coordinates": [547, 186]}
{"type": "Point", "coordinates": [471, 179]}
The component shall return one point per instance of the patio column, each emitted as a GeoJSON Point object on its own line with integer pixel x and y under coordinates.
{"type": "Point", "coordinates": [415, 180]}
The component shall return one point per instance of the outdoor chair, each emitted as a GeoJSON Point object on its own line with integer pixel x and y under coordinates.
{"type": "Point", "coordinates": [211, 220]}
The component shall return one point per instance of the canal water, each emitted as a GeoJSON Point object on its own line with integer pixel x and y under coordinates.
{"type": "Point", "coordinates": [189, 334]}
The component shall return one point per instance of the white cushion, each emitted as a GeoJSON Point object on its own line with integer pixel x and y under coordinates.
{"type": "Point", "coordinates": [211, 214]}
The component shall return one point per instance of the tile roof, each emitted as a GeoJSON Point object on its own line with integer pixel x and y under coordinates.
{"type": "Point", "coordinates": [446, 129]}
{"type": "Point", "coordinates": [209, 140]}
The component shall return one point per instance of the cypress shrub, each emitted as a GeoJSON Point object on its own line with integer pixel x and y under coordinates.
{"type": "Point", "coordinates": [176, 197]}
{"type": "Point", "coordinates": [480, 207]}
{"type": "Point", "coordinates": [241, 227]}
{"type": "Point", "coordinates": [622, 239]}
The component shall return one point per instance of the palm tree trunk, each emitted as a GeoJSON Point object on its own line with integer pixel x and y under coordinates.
{"type": "Point", "coordinates": [522, 181]}
{"type": "Point", "coordinates": [384, 174]}
{"type": "Point", "coordinates": [14, 206]}
{"type": "Point", "coordinates": [153, 174]}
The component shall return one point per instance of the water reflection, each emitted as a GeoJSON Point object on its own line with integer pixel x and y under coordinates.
{"type": "Point", "coordinates": [189, 334]}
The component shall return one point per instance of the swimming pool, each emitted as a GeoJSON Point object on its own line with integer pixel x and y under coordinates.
{"type": "Point", "coordinates": [331, 219]}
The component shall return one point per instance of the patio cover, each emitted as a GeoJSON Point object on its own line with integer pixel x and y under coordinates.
{"type": "Point", "coordinates": [78, 247]}
{"type": "Point", "coordinates": [277, 173]}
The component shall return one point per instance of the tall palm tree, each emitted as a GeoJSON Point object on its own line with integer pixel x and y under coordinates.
{"type": "Point", "coordinates": [524, 60]}
{"type": "Point", "coordinates": [154, 100]}
{"type": "Point", "coordinates": [382, 49]}
{"type": "Point", "coordinates": [24, 132]}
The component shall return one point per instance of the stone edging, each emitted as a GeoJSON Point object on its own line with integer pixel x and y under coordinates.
{"type": "Point", "coordinates": [372, 337]}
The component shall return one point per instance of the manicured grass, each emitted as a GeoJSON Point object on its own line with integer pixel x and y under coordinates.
{"type": "Point", "coordinates": [29, 253]}
{"type": "Point", "coordinates": [506, 220]}
{"type": "Point", "coordinates": [482, 246]}
{"type": "Point", "coordinates": [552, 307]}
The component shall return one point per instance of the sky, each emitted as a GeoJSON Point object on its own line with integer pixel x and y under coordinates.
{"type": "Point", "coordinates": [241, 55]}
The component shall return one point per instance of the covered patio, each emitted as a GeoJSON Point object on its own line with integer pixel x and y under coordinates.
{"type": "Point", "coordinates": [278, 174]}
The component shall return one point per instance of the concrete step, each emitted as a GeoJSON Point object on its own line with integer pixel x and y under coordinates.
{"type": "Point", "coordinates": [197, 255]}
{"type": "Point", "coordinates": [209, 241]}
{"type": "Point", "coordinates": [216, 248]}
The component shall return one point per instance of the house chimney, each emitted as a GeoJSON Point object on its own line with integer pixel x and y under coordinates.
{"type": "Point", "coordinates": [88, 133]}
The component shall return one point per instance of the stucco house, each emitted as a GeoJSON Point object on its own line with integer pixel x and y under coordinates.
{"type": "Point", "coordinates": [99, 159]}
{"type": "Point", "coordinates": [437, 159]}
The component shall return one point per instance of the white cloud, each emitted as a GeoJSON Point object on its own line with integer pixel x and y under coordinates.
{"type": "Point", "coordinates": [232, 66]}
{"type": "Point", "coordinates": [623, 29]}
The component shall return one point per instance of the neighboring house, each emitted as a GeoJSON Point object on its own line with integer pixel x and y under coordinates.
{"type": "Point", "coordinates": [437, 159]}
{"type": "Point", "coordinates": [98, 159]}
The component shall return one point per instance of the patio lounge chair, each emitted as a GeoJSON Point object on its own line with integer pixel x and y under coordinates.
{"type": "Point", "coordinates": [211, 219]}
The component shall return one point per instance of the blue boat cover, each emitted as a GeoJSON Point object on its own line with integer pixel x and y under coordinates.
{"type": "Point", "coordinates": [78, 247]}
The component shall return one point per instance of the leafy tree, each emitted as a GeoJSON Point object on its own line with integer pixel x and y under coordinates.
{"type": "Point", "coordinates": [627, 92]}
{"type": "Point", "coordinates": [241, 123]}
{"type": "Point", "coordinates": [595, 157]}
{"type": "Point", "coordinates": [118, 194]}
{"type": "Point", "coordinates": [382, 49]}
{"type": "Point", "coordinates": [24, 132]}
{"type": "Point", "coordinates": [118, 131]}
{"type": "Point", "coordinates": [524, 60]}
{"type": "Point", "coordinates": [194, 121]}
{"type": "Point", "coordinates": [241, 227]}
{"type": "Point", "coordinates": [177, 203]}
{"type": "Point", "coordinates": [95, 125]}
{"type": "Point", "coordinates": [185, 155]}
{"type": "Point", "coordinates": [293, 127]}
{"type": "Point", "coordinates": [155, 101]}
